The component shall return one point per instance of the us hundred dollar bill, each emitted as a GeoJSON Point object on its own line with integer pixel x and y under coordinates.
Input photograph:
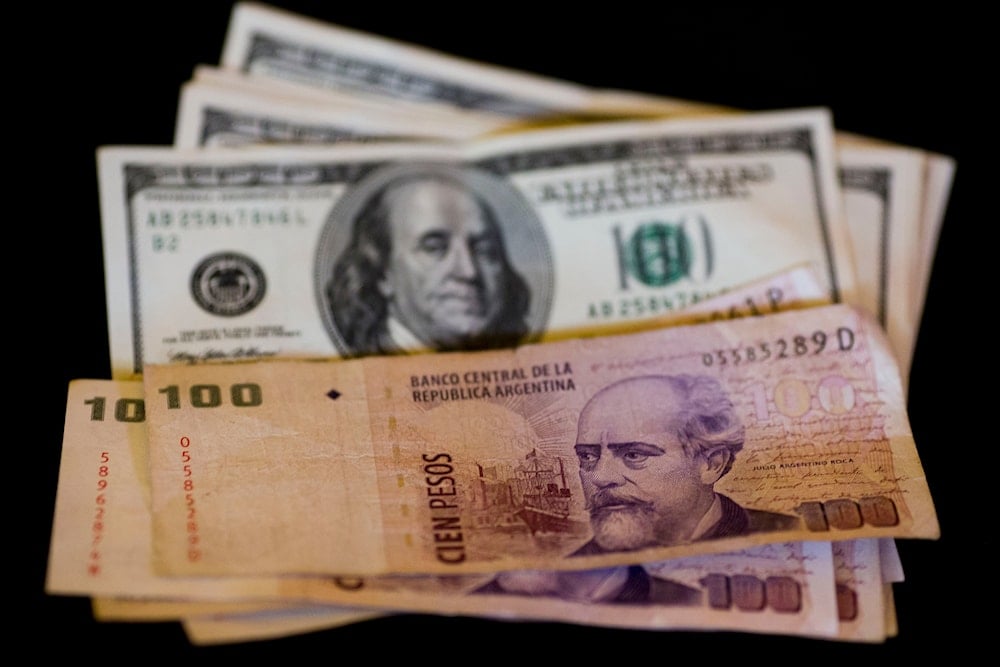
{"type": "Point", "coordinates": [278, 45]}
{"type": "Point", "coordinates": [886, 202]}
{"type": "Point", "coordinates": [531, 458]}
{"type": "Point", "coordinates": [356, 250]}
{"type": "Point", "coordinates": [221, 107]}
{"type": "Point", "coordinates": [275, 46]}
{"type": "Point", "coordinates": [219, 117]}
{"type": "Point", "coordinates": [883, 192]}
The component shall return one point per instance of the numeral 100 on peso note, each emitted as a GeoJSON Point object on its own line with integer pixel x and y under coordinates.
{"type": "Point", "coordinates": [241, 395]}
{"type": "Point", "coordinates": [133, 410]}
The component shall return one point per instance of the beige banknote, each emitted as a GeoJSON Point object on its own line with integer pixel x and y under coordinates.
{"type": "Point", "coordinates": [305, 250]}
{"type": "Point", "coordinates": [105, 438]}
{"type": "Point", "coordinates": [101, 540]}
{"type": "Point", "coordinates": [790, 590]}
{"type": "Point", "coordinates": [101, 534]}
{"type": "Point", "coordinates": [425, 461]}
{"type": "Point", "coordinates": [114, 544]}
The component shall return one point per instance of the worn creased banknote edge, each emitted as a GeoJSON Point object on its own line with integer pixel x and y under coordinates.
{"type": "Point", "coordinates": [101, 533]}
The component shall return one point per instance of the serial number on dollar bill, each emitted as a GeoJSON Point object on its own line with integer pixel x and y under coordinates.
{"type": "Point", "coordinates": [646, 306]}
{"type": "Point", "coordinates": [203, 218]}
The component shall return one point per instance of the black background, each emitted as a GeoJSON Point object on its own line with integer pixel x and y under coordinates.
{"type": "Point", "coordinates": [94, 77]}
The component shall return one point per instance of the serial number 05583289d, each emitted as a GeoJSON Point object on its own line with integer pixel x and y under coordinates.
{"type": "Point", "coordinates": [841, 340]}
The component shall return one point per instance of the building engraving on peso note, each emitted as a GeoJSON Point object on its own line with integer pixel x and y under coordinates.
{"type": "Point", "coordinates": [647, 453]}
{"type": "Point", "coordinates": [652, 458]}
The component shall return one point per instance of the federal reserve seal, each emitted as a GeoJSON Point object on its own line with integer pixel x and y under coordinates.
{"type": "Point", "coordinates": [228, 284]}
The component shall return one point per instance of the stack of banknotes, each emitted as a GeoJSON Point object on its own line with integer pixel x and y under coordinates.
{"type": "Point", "coordinates": [604, 358]}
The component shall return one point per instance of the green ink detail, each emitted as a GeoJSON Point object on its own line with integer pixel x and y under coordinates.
{"type": "Point", "coordinates": [659, 254]}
